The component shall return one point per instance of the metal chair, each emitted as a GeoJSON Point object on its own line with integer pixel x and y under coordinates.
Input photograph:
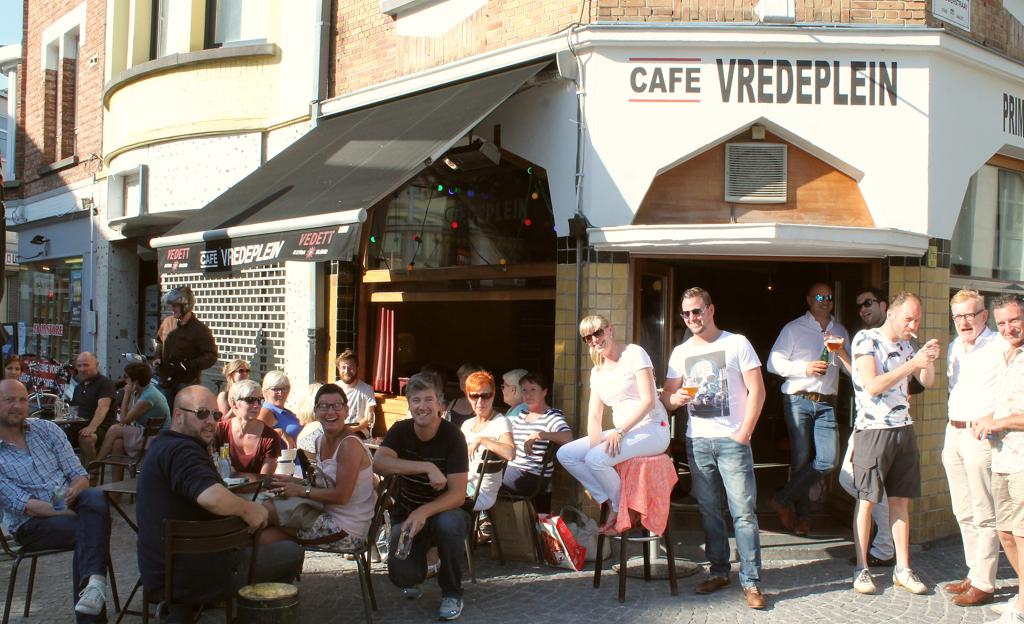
{"type": "Point", "coordinates": [547, 462]}
{"type": "Point", "coordinates": [490, 463]}
{"type": "Point", "coordinates": [152, 428]}
{"type": "Point", "coordinates": [387, 489]}
{"type": "Point", "coordinates": [19, 554]}
{"type": "Point", "coordinates": [202, 537]}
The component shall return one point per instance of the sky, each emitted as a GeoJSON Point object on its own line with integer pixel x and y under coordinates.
{"type": "Point", "coordinates": [10, 26]}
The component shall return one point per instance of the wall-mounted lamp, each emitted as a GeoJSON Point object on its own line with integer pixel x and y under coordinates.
{"type": "Point", "coordinates": [39, 239]}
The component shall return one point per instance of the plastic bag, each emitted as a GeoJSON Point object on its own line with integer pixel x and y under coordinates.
{"type": "Point", "coordinates": [583, 528]}
{"type": "Point", "coordinates": [558, 544]}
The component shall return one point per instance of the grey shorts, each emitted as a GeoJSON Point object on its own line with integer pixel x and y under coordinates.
{"type": "Point", "coordinates": [1008, 491]}
{"type": "Point", "coordinates": [886, 461]}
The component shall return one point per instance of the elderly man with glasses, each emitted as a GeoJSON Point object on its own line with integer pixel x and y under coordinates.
{"type": "Point", "coordinates": [805, 356]}
{"type": "Point", "coordinates": [179, 482]}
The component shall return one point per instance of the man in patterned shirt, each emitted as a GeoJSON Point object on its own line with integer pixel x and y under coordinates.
{"type": "Point", "coordinates": [1005, 431]}
{"type": "Point", "coordinates": [46, 499]}
{"type": "Point", "coordinates": [885, 457]}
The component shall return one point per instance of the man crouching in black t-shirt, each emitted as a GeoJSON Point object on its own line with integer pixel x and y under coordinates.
{"type": "Point", "coordinates": [429, 455]}
{"type": "Point", "coordinates": [178, 482]}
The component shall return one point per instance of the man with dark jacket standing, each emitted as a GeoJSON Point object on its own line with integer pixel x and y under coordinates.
{"type": "Point", "coordinates": [185, 346]}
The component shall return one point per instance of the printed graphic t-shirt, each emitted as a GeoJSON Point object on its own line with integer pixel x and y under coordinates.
{"type": "Point", "coordinates": [718, 409]}
{"type": "Point", "coordinates": [891, 408]}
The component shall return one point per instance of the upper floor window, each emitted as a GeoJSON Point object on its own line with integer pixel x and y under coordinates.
{"type": "Point", "coordinates": [988, 241]}
{"type": "Point", "coordinates": [161, 23]}
{"type": "Point", "coordinates": [236, 22]}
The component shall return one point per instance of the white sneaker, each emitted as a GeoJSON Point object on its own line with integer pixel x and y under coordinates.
{"type": "Point", "coordinates": [1003, 607]}
{"type": "Point", "coordinates": [908, 580]}
{"type": "Point", "coordinates": [1005, 617]}
{"type": "Point", "coordinates": [863, 583]}
{"type": "Point", "coordinates": [91, 599]}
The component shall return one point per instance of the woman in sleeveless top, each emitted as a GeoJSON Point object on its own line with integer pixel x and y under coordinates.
{"type": "Point", "coordinates": [349, 498]}
{"type": "Point", "coordinates": [460, 410]}
{"type": "Point", "coordinates": [622, 379]}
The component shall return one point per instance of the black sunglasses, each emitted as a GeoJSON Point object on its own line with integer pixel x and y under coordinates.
{"type": "Point", "coordinates": [597, 334]}
{"type": "Point", "coordinates": [473, 396]}
{"type": "Point", "coordinates": [867, 303]}
{"type": "Point", "coordinates": [250, 400]}
{"type": "Point", "coordinates": [202, 413]}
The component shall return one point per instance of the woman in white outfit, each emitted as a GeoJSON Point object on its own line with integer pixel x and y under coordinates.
{"type": "Point", "coordinates": [623, 379]}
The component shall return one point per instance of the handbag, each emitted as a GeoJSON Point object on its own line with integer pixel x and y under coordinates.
{"type": "Point", "coordinates": [558, 545]}
{"type": "Point", "coordinates": [297, 512]}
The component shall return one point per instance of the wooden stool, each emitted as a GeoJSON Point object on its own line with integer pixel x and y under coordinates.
{"type": "Point", "coordinates": [647, 479]}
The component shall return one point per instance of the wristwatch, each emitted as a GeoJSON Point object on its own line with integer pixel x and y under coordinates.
{"type": "Point", "coordinates": [620, 432]}
{"type": "Point", "coordinates": [309, 489]}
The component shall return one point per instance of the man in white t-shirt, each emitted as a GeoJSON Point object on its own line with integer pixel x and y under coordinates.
{"type": "Point", "coordinates": [361, 401]}
{"type": "Point", "coordinates": [973, 365]}
{"type": "Point", "coordinates": [885, 456]}
{"type": "Point", "coordinates": [799, 356]}
{"type": "Point", "coordinates": [724, 374]}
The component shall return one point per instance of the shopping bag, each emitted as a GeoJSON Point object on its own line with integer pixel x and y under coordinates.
{"type": "Point", "coordinates": [558, 545]}
{"type": "Point", "coordinates": [583, 528]}
{"type": "Point", "coordinates": [512, 520]}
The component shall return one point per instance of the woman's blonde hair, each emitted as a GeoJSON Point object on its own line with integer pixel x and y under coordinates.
{"type": "Point", "coordinates": [275, 379]}
{"type": "Point", "coordinates": [588, 326]}
{"type": "Point", "coordinates": [232, 367]}
{"type": "Point", "coordinates": [306, 411]}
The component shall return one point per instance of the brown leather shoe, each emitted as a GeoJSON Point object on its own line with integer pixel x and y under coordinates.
{"type": "Point", "coordinates": [712, 584]}
{"type": "Point", "coordinates": [957, 588]}
{"type": "Point", "coordinates": [803, 527]}
{"type": "Point", "coordinates": [755, 599]}
{"type": "Point", "coordinates": [972, 598]}
{"type": "Point", "coordinates": [786, 515]}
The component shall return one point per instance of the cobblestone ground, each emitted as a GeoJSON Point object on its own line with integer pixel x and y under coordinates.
{"type": "Point", "coordinates": [801, 591]}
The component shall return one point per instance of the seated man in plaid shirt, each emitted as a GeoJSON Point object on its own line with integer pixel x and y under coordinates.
{"type": "Point", "coordinates": [46, 499]}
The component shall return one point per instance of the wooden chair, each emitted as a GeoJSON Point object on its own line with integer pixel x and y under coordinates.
{"type": "Point", "coordinates": [547, 462]}
{"type": "Point", "coordinates": [202, 537]}
{"type": "Point", "coordinates": [490, 463]}
{"type": "Point", "coordinates": [153, 427]}
{"type": "Point", "coordinates": [387, 489]}
{"type": "Point", "coordinates": [19, 554]}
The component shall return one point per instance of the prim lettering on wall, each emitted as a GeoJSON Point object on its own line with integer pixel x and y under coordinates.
{"type": "Point", "coordinates": [765, 81]}
{"type": "Point", "coordinates": [1013, 115]}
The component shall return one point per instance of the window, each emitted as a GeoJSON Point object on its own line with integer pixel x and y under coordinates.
{"type": "Point", "coordinates": [988, 241]}
{"type": "Point", "coordinates": [236, 22]}
{"type": "Point", "coordinates": [161, 22]}
{"type": "Point", "coordinates": [50, 314]}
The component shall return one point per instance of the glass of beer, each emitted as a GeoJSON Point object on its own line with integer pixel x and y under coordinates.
{"type": "Point", "coordinates": [833, 344]}
{"type": "Point", "coordinates": [690, 387]}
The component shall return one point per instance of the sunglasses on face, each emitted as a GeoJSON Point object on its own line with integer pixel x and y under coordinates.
{"type": "Point", "coordinates": [867, 303]}
{"type": "Point", "coordinates": [242, 371]}
{"type": "Point", "coordinates": [202, 413]}
{"type": "Point", "coordinates": [597, 334]}
{"type": "Point", "coordinates": [820, 298]}
{"type": "Point", "coordinates": [476, 396]}
{"type": "Point", "coordinates": [337, 406]}
{"type": "Point", "coordinates": [251, 400]}
{"type": "Point", "coordinates": [696, 312]}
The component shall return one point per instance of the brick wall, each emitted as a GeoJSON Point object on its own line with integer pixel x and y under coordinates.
{"type": "Point", "coordinates": [67, 106]}
{"type": "Point", "coordinates": [993, 27]}
{"type": "Point", "coordinates": [84, 136]}
{"type": "Point", "coordinates": [367, 50]}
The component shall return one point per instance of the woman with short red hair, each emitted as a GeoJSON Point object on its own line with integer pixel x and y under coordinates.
{"type": "Point", "coordinates": [486, 430]}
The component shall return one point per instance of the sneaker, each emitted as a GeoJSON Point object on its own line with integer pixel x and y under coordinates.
{"type": "Point", "coordinates": [863, 583]}
{"type": "Point", "coordinates": [412, 593]}
{"type": "Point", "coordinates": [908, 580]}
{"type": "Point", "coordinates": [451, 608]}
{"type": "Point", "coordinates": [1004, 618]}
{"type": "Point", "coordinates": [90, 599]}
{"type": "Point", "coordinates": [1002, 607]}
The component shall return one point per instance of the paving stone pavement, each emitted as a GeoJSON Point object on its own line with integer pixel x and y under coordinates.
{"type": "Point", "coordinates": [798, 591]}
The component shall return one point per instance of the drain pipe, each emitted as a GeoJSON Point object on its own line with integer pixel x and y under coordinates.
{"type": "Point", "coordinates": [322, 21]}
{"type": "Point", "coordinates": [578, 224]}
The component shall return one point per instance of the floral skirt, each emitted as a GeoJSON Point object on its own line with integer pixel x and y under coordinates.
{"type": "Point", "coordinates": [325, 527]}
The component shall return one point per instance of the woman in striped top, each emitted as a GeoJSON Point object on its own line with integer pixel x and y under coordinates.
{"type": "Point", "coordinates": [533, 431]}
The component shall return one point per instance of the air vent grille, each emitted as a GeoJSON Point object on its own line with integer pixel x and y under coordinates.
{"type": "Point", "coordinates": [755, 173]}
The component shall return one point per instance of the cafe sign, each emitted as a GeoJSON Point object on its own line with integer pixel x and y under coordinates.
{"type": "Point", "coordinates": [692, 80]}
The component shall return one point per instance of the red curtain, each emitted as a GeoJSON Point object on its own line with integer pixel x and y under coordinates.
{"type": "Point", "coordinates": [383, 375]}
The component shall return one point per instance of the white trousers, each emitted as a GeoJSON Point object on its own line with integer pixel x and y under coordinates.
{"type": "Point", "coordinates": [595, 469]}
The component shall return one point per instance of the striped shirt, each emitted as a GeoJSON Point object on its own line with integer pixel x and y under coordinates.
{"type": "Point", "coordinates": [551, 421]}
{"type": "Point", "coordinates": [47, 462]}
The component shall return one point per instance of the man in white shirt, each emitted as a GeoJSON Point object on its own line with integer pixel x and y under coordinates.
{"type": "Point", "coordinates": [885, 455]}
{"type": "Point", "coordinates": [973, 364]}
{"type": "Point", "coordinates": [361, 402]}
{"type": "Point", "coordinates": [800, 355]}
{"type": "Point", "coordinates": [724, 374]}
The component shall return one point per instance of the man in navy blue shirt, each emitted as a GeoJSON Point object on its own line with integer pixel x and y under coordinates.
{"type": "Point", "coordinates": [46, 501]}
{"type": "Point", "coordinates": [179, 482]}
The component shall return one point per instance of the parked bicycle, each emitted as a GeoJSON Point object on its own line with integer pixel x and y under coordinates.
{"type": "Point", "coordinates": [52, 383]}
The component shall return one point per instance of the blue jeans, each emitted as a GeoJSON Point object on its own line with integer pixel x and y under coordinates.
{"type": "Point", "coordinates": [808, 422]}
{"type": "Point", "coordinates": [447, 530]}
{"type": "Point", "coordinates": [718, 464]}
{"type": "Point", "coordinates": [88, 533]}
